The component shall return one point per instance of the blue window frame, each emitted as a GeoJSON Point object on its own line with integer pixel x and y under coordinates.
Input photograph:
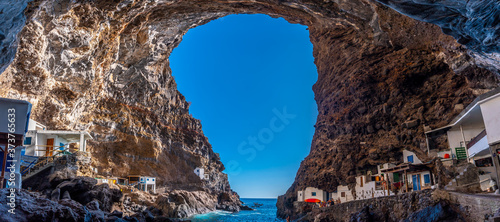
{"type": "Point", "coordinates": [410, 159]}
{"type": "Point", "coordinates": [427, 178]}
{"type": "Point", "coordinates": [27, 141]}
{"type": "Point", "coordinates": [313, 194]}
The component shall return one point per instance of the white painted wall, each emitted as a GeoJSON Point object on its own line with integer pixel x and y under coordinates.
{"type": "Point", "coordinates": [333, 196]}
{"type": "Point", "coordinates": [34, 125]}
{"type": "Point", "coordinates": [200, 172]}
{"type": "Point", "coordinates": [344, 194]}
{"type": "Point", "coordinates": [300, 195]}
{"type": "Point", "coordinates": [30, 149]}
{"type": "Point", "coordinates": [421, 175]}
{"type": "Point", "coordinates": [491, 115]}
{"type": "Point", "coordinates": [481, 145]}
{"type": "Point", "coordinates": [407, 153]}
{"type": "Point", "coordinates": [368, 189]}
{"type": "Point", "coordinates": [455, 136]}
{"type": "Point", "coordinates": [147, 180]}
{"type": "Point", "coordinates": [320, 194]}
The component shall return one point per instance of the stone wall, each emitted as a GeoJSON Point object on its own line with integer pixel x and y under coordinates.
{"type": "Point", "coordinates": [477, 207]}
{"type": "Point", "coordinates": [433, 205]}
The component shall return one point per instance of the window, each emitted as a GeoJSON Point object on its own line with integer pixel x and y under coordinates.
{"type": "Point", "coordinates": [427, 178]}
{"type": "Point", "coordinates": [485, 162]}
{"type": "Point", "coordinates": [27, 141]}
{"type": "Point", "coordinates": [153, 179]}
{"type": "Point", "coordinates": [342, 194]}
{"type": "Point", "coordinates": [410, 159]}
{"type": "Point", "coordinates": [142, 179]}
{"type": "Point", "coordinates": [361, 179]}
{"type": "Point", "coordinates": [313, 194]}
{"type": "Point", "coordinates": [147, 179]}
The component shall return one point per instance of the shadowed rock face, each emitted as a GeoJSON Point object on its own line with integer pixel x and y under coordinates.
{"type": "Point", "coordinates": [103, 66]}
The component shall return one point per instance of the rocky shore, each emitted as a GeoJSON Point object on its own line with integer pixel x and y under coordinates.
{"type": "Point", "coordinates": [82, 199]}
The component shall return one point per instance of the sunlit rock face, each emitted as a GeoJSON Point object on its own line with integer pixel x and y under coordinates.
{"type": "Point", "coordinates": [103, 66]}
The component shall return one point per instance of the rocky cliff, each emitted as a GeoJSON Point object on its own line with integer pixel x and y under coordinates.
{"type": "Point", "coordinates": [103, 66]}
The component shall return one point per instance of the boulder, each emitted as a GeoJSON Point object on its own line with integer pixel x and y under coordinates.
{"type": "Point", "coordinates": [410, 124]}
{"type": "Point", "coordinates": [55, 194]}
{"type": "Point", "coordinates": [66, 196]}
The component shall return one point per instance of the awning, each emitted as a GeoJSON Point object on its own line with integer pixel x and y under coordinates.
{"type": "Point", "coordinates": [312, 200]}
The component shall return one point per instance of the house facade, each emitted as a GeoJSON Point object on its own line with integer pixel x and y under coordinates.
{"type": "Point", "coordinates": [344, 194]}
{"type": "Point", "coordinates": [200, 172]}
{"type": "Point", "coordinates": [42, 142]}
{"type": "Point", "coordinates": [312, 193]}
{"type": "Point", "coordinates": [474, 136]}
{"type": "Point", "coordinates": [418, 179]}
{"type": "Point", "coordinates": [143, 183]}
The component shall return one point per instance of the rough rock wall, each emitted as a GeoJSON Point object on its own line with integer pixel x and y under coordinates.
{"type": "Point", "coordinates": [103, 66]}
{"type": "Point", "coordinates": [473, 23]}
{"type": "Point", "coordinates": [94, 66]}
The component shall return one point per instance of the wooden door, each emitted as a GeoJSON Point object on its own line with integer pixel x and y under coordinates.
{"type": "Point", "coordinates": [49, 147]}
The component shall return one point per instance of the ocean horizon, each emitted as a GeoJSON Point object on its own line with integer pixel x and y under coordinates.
{"type": "Point", "coordinates": [266, 212]}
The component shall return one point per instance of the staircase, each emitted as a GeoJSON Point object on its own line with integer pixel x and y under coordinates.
{"type": "Point", "coordinates": [33, 165]}
{"type": "Point", "coordinates": [468, 176]}
{"type": "Point", "coordinates": [41, 164]}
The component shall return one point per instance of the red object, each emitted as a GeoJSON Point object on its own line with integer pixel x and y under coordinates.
{"type": "Point", "coordinates": [312, 200]}
{"type": "Point", "coordinates": [447, 156]}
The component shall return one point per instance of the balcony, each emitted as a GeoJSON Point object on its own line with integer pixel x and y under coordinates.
{"type": "Point", "coordinates": [476, 139]}
{"type": "Point", "coordinates": [478, 146]}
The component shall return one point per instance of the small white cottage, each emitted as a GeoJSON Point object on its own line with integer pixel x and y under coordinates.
{"type": "Point", "coordinates": [200, 172]}
{"type": "Point", "coordinates": [312, 193]}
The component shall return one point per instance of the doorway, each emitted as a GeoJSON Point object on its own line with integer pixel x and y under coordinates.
{"type": "Point", "coordinates": [50, 147]}
{"type": "Point", "coordinates": [416, 182]}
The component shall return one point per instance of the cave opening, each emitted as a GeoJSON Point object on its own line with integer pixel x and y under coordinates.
{"type": "Point", "coordinates": [249, 79]}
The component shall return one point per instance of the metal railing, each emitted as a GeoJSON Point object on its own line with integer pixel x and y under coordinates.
{"type": "Point", "coordinates": [43, 161]}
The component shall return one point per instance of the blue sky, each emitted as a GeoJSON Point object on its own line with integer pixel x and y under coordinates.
{"type": "Point", "coordinates": [249, 78]}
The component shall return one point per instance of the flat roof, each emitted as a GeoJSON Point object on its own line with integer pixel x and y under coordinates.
{"type": "Point", "coordinates": [66, 133]}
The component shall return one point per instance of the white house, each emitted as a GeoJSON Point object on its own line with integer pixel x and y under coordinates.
{"type": "Point", "coordinates": [412, 174]}
{"type": "Point", "coordinates": [344, 194]}
{"type": "Point", "coordinates": [367, 188]}
{"type": "Point", "coordinates": [200, 172]}
{"type": "Point", "coordinates": [410, 157]}
{"type": "Point", "coordinates": [312, 193]}
{"type": "Point", "coordinates": [42, 142]}
{"type": "Point", "coordinates": [144, 183]}
{"type": "Point", "coordinates": [474, 135]}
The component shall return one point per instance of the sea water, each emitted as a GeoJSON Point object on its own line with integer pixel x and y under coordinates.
{"type": "Point", "coordinates": [266, 212]}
